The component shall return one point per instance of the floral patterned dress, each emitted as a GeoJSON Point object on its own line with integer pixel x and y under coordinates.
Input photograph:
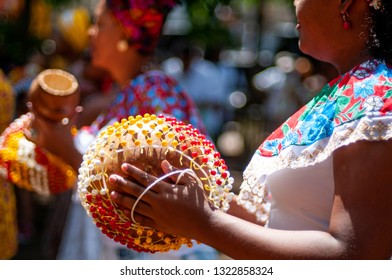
{"type": "Point", "coordinates": [289, 181]}
{"type": "Point", "coordinates": [154, 93]}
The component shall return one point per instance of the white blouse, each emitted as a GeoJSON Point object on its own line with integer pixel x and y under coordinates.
{"type": "Point", "coordinates": [305, 203]}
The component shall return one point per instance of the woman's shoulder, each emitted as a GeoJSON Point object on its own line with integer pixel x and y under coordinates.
{"type": "Point", "coordinates": [155, 76]}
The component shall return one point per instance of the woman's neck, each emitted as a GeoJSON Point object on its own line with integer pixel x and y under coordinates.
{"type": "Point", "coordinates": [129, 68]}
{"type": "Point", "coordinates": [347, 65]}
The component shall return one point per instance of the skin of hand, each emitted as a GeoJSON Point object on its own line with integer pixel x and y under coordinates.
{"type": "Point", "coordinates": [54, 137]}
{"type": "Point", "coordinates": [359, 228]}
{"type": "Point", "coordinates": [185, 197]}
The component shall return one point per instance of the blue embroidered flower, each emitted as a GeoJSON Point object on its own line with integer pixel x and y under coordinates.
{"type": "Point", "coordinates": [271, 146]}
{"type": "Point", "coordinates": [365, 88]}
{"type": "Point", "coordinates": [291, 138]}
{"type": "Point", "coordinates": [318, 125]}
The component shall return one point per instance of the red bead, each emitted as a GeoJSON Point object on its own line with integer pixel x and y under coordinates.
{"type": "Point", "coordinates": [127, 224]}
{"type": "Point", "coordinates": [346, 25]}
{"type": "Point", "coordinates": [194, 142]}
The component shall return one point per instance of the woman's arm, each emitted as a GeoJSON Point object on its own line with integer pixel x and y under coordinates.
{"type": "Point", "coordinates": [360, 228]}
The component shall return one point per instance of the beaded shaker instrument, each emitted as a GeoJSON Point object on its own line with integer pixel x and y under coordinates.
{"type": "Point", "coordinates": [54, 95]}
{"type": "Point", "coordinates": [145, 142]}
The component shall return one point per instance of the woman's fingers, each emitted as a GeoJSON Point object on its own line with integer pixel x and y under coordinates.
{"type": "Point", "coordinates": [139, 218]}
{"type": "Point", "coordinates": [126, 202]}
{"type": "Point", "coordinates": [170, 169]}
{"type": "Point", "coordinates": [154, 184]}
{"type": "Point", "coordinates": [136, 211]}
{"type": "Point", "coordinates": [178, 176]}
{"type": "Point", "coordinates": [125, 186]}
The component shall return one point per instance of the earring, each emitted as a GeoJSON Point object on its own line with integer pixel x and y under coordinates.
{"type": "Point", "coordinates": [346, 22]}
{"type": "Point", "coordinates": [122, 46]}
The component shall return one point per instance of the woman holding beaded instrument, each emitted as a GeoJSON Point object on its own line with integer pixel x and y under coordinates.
{"type": "Point", "coordinates": [321, 182]}
{"type": "Point", "coordinates": [123, 38]}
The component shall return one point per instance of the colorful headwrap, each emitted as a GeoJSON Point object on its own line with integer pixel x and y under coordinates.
{"type": "Point", "coordinates": [142, 20]}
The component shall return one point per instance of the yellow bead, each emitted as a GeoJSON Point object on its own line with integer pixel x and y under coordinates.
{"type": "Point", "coordinates": [110, 130]}
{"type": "Point", "coordinates": [139, 125]}
{"type": "Point", "coordinates": [170, 135]}
{"type": "Point", "coordinates": [158, 134]}
{"type": "Point", "coordinates": [137, 142]}
{"type": "Point", "coordinates": [149, 141]}
{"type": "Point", "coordinates": [164, 143]}
{"type": "Point", "coordinates": [174, 143]}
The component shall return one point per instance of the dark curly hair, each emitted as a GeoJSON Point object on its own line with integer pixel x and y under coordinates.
{"type": "Point", "coordinates": [379, 42]}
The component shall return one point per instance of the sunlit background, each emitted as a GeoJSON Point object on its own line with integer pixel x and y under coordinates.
{"type": "Point", "coordinates": [239, 59]}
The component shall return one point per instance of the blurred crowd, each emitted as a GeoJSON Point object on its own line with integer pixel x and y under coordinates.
{"type": "Point", "coordinates": [244, 85]}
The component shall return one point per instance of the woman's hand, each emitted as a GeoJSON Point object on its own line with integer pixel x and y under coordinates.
{"type": "Point", "coordinates": [55, 137]}
{"type": "Point", "coordinates": [180, 209]}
